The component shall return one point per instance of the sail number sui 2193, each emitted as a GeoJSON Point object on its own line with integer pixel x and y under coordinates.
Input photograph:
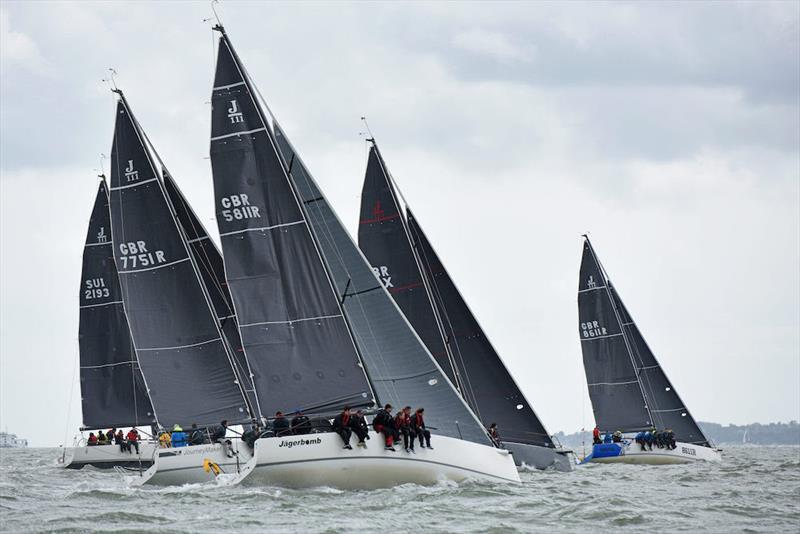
{"type": "Point", "coordinates": [95, 289]}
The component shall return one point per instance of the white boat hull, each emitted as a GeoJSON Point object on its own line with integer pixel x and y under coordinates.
{"type": "Point", "coordinates": [108, 456]}
{"type": "Point", "coordinates": [535, 457]}
{"type": "Point", "coordinates": [319, 460]}
{"type": "Point", "coordinates": [632, 453]}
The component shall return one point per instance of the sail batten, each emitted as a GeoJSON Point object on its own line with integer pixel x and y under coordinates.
{"type": "Point", "coordinates": [113, 392]}
{"type": "Point", "coordinates": [185, 361]}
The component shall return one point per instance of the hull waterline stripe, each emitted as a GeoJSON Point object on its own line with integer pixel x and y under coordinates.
{"type": "Point", "coordinates": [292, 321]}
{"type": "Point", "coordinates": [599, 337]}
{"type": "Point", "coordinates": [154, 268]}
{"type": "Point", "coordinates": [137, 184]}
{"type": "Point", "coordinates": [98, 305]}
{"type": "Point", "coordinates": [237, 134]}
{"type": "Point", "coordinates": [273, 464]}
{"type": "Point", "coordinates": [183, 346]}
{"type": "Point", "coordinates": [261, 228]}
{"type": "Point", "coordinates": [229, 86]}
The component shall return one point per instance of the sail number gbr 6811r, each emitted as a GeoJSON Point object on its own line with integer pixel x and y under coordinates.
{"type": "Point", "coordinates": [134, 255]}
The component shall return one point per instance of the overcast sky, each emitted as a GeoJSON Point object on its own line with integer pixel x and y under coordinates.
{"type": "Point", "coordinates": [669, 131]}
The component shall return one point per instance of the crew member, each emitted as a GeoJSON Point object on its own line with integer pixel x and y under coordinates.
{"type": "Point", "coordinates": [218, 435]}
{"type": "Point", "coordinates": [358, 423]}
{"type": "Point", "coordinates": [110, 435]}
{"type": "Point", "coordinates": [92, 441]}
{"type": "Point", "coordinates": [101, 438]}
{"type": "Point", "coordinates": [165, 440]}
{"type": "Point", "coordinates": [418, 424]}
{"type": "Point", "coordinates": [383, 424]}
{"type": "Point", "coordinates": [494, 434]}
{"type": "Point", "coordinates": [617, 437]}
{"type": "Point", "coordinates": [196, 435]}
{"type": "Point", "coordinates": [341, 425]}
{"type": "Point", "coordinates": [596, 436]}
{"type": "Point", "coordinates": [280, 425]}
{"type": "Point", "coordinates": [133, 440]}
{"type": "Point", "coordinates": [119, 439]}
{"type": "Point", "coordinates": [300, 423]}
{"type": "Point", "coordinates": [402, 424]}
{"type": "Point", "coordinates": [178, 436]}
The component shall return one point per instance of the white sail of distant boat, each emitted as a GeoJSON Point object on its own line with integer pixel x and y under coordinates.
{"type": "Point", "coordinates": [630, 392]}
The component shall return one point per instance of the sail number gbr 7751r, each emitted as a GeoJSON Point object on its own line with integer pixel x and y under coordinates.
{"type": "Point", "coordinates": [134, 254]}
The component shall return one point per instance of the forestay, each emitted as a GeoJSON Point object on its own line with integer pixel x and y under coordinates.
{"type": "Point", "coordinates": [293, 330]}
{"type": "Point", "coordinates": [212, 271]}
{"type": "Point", "coordinates": [400, 368]}
{"type": "Point", "coordinates": [179, 347]}
{"type": "Point", "coordinates": [617, 397]}
{"type": "Point", "coordinates": [112, 391]}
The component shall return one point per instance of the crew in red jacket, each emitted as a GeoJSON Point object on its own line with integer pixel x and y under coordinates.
{"type": "Point", "coordinates": [418, 424]}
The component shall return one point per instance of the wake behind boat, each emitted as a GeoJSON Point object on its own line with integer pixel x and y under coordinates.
{"type": "Point", "coordinates": [630, 392]}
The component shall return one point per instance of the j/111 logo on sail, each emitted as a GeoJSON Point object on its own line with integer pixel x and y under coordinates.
{"type": "Point", "coordinates": [234, 114]}
{"type": "Point", "coordinates": [101, 235]}
{"type": "Point", "coordinates": [131, 175]}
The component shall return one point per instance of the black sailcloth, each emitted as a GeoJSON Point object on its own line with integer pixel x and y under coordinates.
{"type": "Point", "coordinates": [617, 398]}
{"type": "Point", "coordinates": [400, 368]}
{"type": "Point", "coordinates": [293, 330]}
{"type": "Point", "coordinates": [183, 358]}
{"type": "Point", "coordinates": [487, 384]}
{"type": "Point", "coordinates": [212, 271]}
{"type": "Point", "coordinates": [666, 407]}
{"type": "Point", "coordinates": [112, 391]}
{"type": "Point", "coordinates": [383, 239]}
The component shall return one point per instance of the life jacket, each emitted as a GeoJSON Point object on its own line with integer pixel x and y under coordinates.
{"type": "Point", "coordinates": [381, 419]}
{"type": "Point", "coordinates": [132, 436]}
{"type": "Point", "coordinates": [418, 420]}
{"type": "Point", "coordinates": [402, 420]}
{"type": "Point", "coordinates": [596, 433]}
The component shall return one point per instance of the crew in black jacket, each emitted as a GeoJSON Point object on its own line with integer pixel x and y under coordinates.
{"type": "Point", "coordinates": [341, 425]}
{"type": "Point", "coordinates": [300, 423]}
{"type": "Point", "coordinates": [280, 425]}
{"type": "Point", "coordinates": [383, 423]}
{"type": "Point", "coordinates": [358, 423]}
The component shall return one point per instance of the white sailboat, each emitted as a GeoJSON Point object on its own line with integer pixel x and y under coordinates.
{"type": "Point", "coordinates": [630, 392]}
{"type": "Point", "coordinates": [318, 329]}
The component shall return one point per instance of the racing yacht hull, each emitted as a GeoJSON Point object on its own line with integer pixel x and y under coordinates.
{"type": "Point", "coordinates": [108, 456]}
{"type": "Point", "coordinates": [629, 452]}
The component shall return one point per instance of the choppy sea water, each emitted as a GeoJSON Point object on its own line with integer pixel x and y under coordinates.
{"type": "Point", "coordinates": [755, 489]}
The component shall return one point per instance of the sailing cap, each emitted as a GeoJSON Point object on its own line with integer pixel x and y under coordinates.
{"type": "Point", "coordinates": [177, 428]}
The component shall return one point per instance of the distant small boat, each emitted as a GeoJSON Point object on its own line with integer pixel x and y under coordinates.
{"type": "Point", "coordinates": [11, 441]}
{"type": "Point", "coordinates": [629, 390]}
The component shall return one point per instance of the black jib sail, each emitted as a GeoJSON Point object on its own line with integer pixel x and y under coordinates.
{"type": "Point", "coordinates": [184, 359]}
{"type": "Point", "coordinates": [112, 391]}
{"type": "Point", "coordinates": [666, 407]}
{"type": "Point", "coordinates": [628, 389]}
{"type": "Point", "coordinates": [486, 381]}
{"type": "Point", "coordinates": [398, 249]}
{"type": "Point", "coordinates": [209, 262]}
{"type": "Point", "coordinates": [293, 329]}
{"type": "Point", "coordinates": [401, 370]}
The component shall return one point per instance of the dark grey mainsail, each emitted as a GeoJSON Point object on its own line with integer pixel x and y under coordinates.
{"type": "Point", "coordinates": [666, 407]}
{"type": "Point", "coordinates": [293, 329]}
{"type": "Point", "coordinates": [212, 271]}
{"type": "Point", "coordinates": [185, 362]}
{"type": "Point", "coordinates": [384, 239]}
{"type": "Point", "coordinates": [628, 388]}
{"type": "Point", "coordinates": [397, 247]}
{"type": "Point", "coordinates": [614, 389]}
{"type": "Point", "coordinates": [113, 393]}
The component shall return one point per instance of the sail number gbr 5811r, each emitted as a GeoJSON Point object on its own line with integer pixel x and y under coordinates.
{"type": "Point", "coordinates": [134, 255]}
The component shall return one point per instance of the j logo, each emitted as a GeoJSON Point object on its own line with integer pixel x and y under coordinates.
{"type": "Point", "coordinates": [130, 174]}
{"type": "Point", "coordinates": [234, 114]}
{"type": "Point", "coordinates": [101, 235]}
{"type": "Point", "coordinates": [590, 283]}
